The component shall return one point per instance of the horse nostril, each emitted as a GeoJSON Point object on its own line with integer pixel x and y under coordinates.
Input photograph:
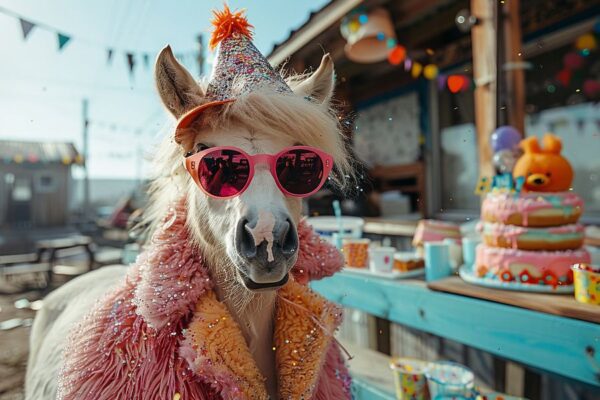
{"type": "Point", "coordinates": [244, 240]}
{"type": "Point", "coordinates": [289, 239]}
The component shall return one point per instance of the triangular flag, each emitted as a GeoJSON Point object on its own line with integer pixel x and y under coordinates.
{"type": "Point", "coordinates": [62, 40]}
{"type": "Point", "coordinates": [26, 27]}
{"type": "Point", "coordinates": [109, 56]}
{"type": "Point", "coordinates": [130, 62]}
{"type": "Point", "coordinates": [146, 58]}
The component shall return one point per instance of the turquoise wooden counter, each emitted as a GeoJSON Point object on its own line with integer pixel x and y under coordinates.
{"type": "Point", "coordinates": [565, 346]}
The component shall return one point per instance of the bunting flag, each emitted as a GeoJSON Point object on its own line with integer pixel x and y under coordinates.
{"type": "Point", "coordinates": [130, 62]}
{"type": "Point", "coordinates": [26, 27]}
{"type": "Point", "coordinates": [62, 40]}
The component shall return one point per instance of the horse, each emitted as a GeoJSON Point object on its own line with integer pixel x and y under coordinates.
{"type": "Point", "coordinates": [249, 245]}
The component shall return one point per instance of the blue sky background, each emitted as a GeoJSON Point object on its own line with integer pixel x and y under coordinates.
{"type": "Point", "coordinates": [41, 89]}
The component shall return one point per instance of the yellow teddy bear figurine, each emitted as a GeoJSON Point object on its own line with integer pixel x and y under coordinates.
{"type": "Point", "coordinates": [544, 169]}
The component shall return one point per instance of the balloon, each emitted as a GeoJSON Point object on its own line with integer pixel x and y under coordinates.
{"type": "Point", "coordinates": [397, 55]}
{"type": "Point", "coordinates": [587, 41]}
{"type": "Point", "coordinates": [564, 77]}
{"type": "Point", "coordinates": [505, 161]}
{"type": "Point", "coordinates": [573, 61]}
{"type": "Point", "coordinates": [441, 82]}
{"type": "Point", "coordinates": [456, 83]}
{"type": "Point", "coordinates": [416, 69]}
{"type": "Point", "coordinates": [591, 88]}
{"type": "Point", "coordinates": [505, 138]}
{"type": "Point", "coordinates": [430, 71]}
{"type": "Point", "coordinates": [407, 64]}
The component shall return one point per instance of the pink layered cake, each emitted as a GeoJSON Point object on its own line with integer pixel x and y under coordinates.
{"type": "Point", "coordinates": [529, 267]}
{"type": "Point", "coordinates": [530, 238]}
{"type": "Point", "coordinates": [535, 209]}
{"type": "Point", "coordinates": [565, 237]}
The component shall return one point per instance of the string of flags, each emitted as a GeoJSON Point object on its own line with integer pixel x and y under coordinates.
{"type": "Point", "coordinates": [132, 57]}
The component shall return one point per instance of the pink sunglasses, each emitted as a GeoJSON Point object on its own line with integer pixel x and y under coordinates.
{"type": "Point", "coordinates": [223, 172]}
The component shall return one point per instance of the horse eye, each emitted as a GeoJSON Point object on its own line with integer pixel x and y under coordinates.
{"type": "Point", "coordinates": [548, 174]}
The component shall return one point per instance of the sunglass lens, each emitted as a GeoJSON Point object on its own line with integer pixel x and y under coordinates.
{"type": "Point", "coordinates": [224, 173]}
{"type": "Point", "coordinates": [300, 172]}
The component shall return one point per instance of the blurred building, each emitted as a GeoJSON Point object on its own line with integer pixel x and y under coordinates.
{"type": "Point", "coordinates": [412, 121]}
{"type": "Point", "coordinates": [36, 183]}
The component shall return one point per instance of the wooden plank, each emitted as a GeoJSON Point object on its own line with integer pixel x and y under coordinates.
{"type": "Point", "coordinates": [543, 341]}
{"type": "Point", "coordinates": [483, 36]}
{"type": "Point", "coordinates": [557, 304]}
{"type": "Point", "coordinates": [514, 77]}
{"type": "Point", "coordinates": [386, 226]}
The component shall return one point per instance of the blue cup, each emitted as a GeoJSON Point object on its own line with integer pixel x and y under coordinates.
{"type": "Point", "coordinates": [469, 246]}
{"type": "Point", "coordinates": [437, 261]}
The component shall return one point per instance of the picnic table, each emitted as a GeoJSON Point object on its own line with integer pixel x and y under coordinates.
{"type": "Point", "coordinates": [43, 261]}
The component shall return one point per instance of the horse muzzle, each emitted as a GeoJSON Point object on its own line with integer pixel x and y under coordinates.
{"type": "Point", "coordinates": [267, 247]}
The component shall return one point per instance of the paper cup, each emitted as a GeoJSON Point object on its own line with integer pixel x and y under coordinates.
{"type": "Point", "coordinates": [447, 379]}
{"type": "Point", "coordinates": [586, 279]}
{"type": "Point", "coordinates": [356, 252]}
{"type": "Point", "coordinates": [409, 378]}
{"type": "Point", "coordinates": [381, 259]}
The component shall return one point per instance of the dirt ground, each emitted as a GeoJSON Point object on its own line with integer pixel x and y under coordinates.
{"type": "Point", "coordinates": [14, 343]}
{"type": "Point", "coordinates": [14, 346]}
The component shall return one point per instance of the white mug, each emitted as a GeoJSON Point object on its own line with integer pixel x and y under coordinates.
{"type": "Point", "coordinates": [381, 259]}
{"type": "Point", "coordinates": [456, 256]}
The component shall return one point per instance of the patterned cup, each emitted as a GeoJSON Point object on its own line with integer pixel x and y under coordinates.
{"type": "Point", "coordinates": [356, 252]}
{"type": "Point", "coordinates": [409, 377]}
{"type": "Point", "coordinates": [448, 379]}
{"type": "Point", "coordinates": [586, 279]}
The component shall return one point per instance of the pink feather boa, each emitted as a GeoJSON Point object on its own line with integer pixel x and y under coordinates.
{"type": "Point", "coordinates": [128, 346]}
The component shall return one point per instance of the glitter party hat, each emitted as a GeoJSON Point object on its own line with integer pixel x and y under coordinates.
{"type": "Point", "coordinates": [239, 67]}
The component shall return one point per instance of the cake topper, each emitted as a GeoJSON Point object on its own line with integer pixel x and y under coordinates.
{"type": "Point", "coordinates": [544, 169]}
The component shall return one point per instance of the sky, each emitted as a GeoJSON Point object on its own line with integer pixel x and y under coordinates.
{"type": "Point", "coordinates": [42, 89]}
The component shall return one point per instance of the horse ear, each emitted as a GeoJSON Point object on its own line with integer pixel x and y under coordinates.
{"type": "Point", "coordinates": [177, 88]}
{"type": "Point", "coordinates": [319, 86]}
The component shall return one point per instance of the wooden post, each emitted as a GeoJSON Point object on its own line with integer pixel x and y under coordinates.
{"type": "Point", "coordinates": [483, 36]}
{"type": "Point", "coordinates": [513, 74]}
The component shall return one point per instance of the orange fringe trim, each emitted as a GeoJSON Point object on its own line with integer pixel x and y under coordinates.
{"type": "Point", "coordinates": [227, 23]}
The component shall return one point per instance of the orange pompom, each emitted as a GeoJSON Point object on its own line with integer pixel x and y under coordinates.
{"type": "Point", "coordinates": [227, 23]}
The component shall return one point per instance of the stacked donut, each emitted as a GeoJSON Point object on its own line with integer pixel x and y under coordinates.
{"type": "Point", "coordinates": [531, 238]}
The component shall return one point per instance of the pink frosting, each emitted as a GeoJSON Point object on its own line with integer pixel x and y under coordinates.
{"type": "Point", "coordinates": [430, 230]}
{"type": "Point", "coordinates": [558, 262]}
{"type": "Point", "coordinates": [503, 205]}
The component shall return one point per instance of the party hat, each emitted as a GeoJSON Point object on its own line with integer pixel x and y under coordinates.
{"type": "Point", "coordinates": [239, 67]}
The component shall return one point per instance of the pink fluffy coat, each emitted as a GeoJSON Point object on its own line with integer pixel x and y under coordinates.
{"type": "Point", "coordinates": [128, 346]}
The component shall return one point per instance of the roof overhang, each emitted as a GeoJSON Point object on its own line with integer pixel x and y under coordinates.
{"type": "Point", "coordinates": [328, 16]}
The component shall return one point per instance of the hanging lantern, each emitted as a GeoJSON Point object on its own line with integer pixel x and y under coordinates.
{"type": "Point", "coordinates": [397, 55]}
{"type": "Point", "coordinates": [430, 71]}
{"type": "Point", "coordinates": [369, 42]}
{"type": "Point", "coordinates": [416, 69]}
